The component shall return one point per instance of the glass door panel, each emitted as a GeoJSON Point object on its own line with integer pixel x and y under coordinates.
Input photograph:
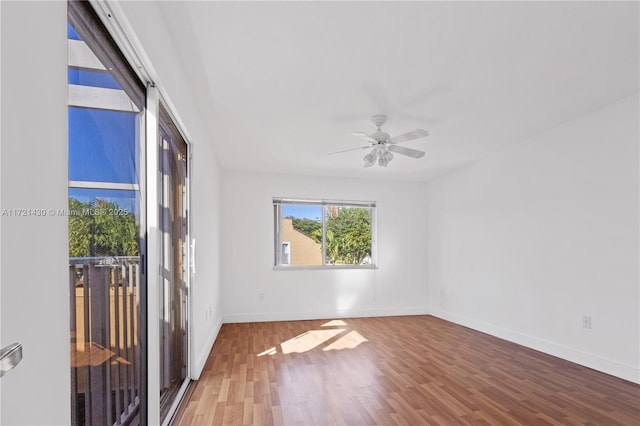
{"type": "Point", "coordinates": [174, 291]}
{"type": "Point", "coordinates": [106, 222]}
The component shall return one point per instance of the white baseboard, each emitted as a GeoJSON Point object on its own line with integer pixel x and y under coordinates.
{"type": "Point", "coordinates": [201, 359]}
{"type": "Point", "coordinates": [623, 371]}
{"type": "Point", "coordinates": [293, 316]}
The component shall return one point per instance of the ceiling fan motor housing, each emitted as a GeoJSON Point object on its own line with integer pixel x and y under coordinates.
{"type": "Point", "coordinates": [379, 120]}
{"type": "Point", "coordinates": [380, 136]}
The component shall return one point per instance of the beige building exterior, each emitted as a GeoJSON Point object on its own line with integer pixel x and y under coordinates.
{"type": "Point", "coordinates": [300, 249]}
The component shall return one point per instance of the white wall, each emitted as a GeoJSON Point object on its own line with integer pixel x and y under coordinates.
{"type": "Point", "coordinates": [148, 24]}
{"type": "Point", "coordinates": [206, 294]}
{"type": "Point", "coordinates": [35, 300]}
{"type": "Point", "coordinates": [397, 287]}
{"type": "Point", "coordinates": [526, 242]}
{"type": "Point", "coordinates": [34, 265]}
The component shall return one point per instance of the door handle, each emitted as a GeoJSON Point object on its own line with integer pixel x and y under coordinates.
{"type": "Point", "coordinates": [10, 356]}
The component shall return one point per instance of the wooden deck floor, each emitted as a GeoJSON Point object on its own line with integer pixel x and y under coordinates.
{"type": "Point", "coordinates": [409, 370]}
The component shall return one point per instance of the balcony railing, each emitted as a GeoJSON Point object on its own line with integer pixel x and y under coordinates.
{"type": "Point", "coordinates": [105, 349]}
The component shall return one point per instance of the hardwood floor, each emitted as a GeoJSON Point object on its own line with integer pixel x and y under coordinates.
{"type": "Point", "coordinates": [409, 370]}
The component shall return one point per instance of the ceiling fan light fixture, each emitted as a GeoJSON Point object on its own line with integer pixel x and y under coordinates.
{"type": "Point", "coordinates": [384, 159]}
{"type": "Point", "coordinates": [370, 158]}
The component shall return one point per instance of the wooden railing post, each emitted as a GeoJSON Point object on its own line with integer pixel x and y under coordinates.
{"type": "Point", "coordinates": [100, 391]}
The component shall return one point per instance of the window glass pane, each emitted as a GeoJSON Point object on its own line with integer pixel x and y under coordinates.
{"type": "Point", "coordinates": [173, 301]}
{"type": "Point", "coordinates": [92, 78]}
{"type": "Point", "coordinates": [301, 234]}
{"type": "Point", "coordinates": [71, 33]}
{"type": "Point", "coordinates": [103, 145]}
{"type": "Point", "coordinates": [106, 279]}
{"type": "Point", "coordinates": [103, 223]}
{"type": "Point", "coordinates": [324, 233]}
{"type": "Point", "coordinates": [348, 235]}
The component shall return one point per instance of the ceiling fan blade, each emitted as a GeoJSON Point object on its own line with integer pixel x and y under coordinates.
{"type": "Point", "coordinates": [350, 149]}
{"type": "Point", "coordinates": [413, 153]}
{"type": "Point", "coordinates": [420, 133]}
{"type": "Point", "coordinates": [365, 137]}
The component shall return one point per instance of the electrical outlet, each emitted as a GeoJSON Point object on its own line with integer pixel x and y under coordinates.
{"type": "Point", "coordinates": [261, 297]}
{"type": "Point", "coordinates": [586, 322]}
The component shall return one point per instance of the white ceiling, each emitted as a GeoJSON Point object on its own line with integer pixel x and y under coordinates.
{"type": "Point", "coordinates": [285, 83]}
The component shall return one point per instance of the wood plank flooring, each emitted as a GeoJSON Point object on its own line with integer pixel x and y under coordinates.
{"type": "Point", "coordinates": [411, 370]}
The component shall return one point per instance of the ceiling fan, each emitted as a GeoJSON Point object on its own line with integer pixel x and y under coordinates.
{"type": "Point", "coordinates": [383, 145]}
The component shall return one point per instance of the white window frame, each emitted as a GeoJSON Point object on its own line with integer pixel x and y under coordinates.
{"type": "Point", "coordinates": [277, 215]}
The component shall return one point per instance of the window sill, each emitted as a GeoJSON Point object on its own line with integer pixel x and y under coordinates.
{"type": "Point", "coordinates": [319, 267]}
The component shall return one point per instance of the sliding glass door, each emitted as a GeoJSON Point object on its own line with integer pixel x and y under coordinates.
{"type": "Point", "coordinates": [174, 263]}
{"type": "Point", "coordinates": [107, 285]}
{"type": "Point", "coordinates": [128, 237]}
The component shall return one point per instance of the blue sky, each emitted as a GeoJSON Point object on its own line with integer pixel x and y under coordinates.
{"type": "Point", "coordinates": [302, 211]}
{"type": "Point", "coordinates": [71, 33]}
{"type": "Point", "coordinates": [102, 143]}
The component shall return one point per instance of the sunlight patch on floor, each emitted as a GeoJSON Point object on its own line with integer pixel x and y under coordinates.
{"type": "Point", "coordinates": [270, 351]}
{"type": "Point", "coordinates": [307, 341]}
{"type": "Point", "coordinates": [326, 339]}
{"type": "Point", "coordinates": [334, 323]}
{"type": "Point", "coordinates": [350, 340]}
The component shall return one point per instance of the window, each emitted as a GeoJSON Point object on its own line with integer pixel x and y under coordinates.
{"type": "Point", "coordinates": [322, 233]}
